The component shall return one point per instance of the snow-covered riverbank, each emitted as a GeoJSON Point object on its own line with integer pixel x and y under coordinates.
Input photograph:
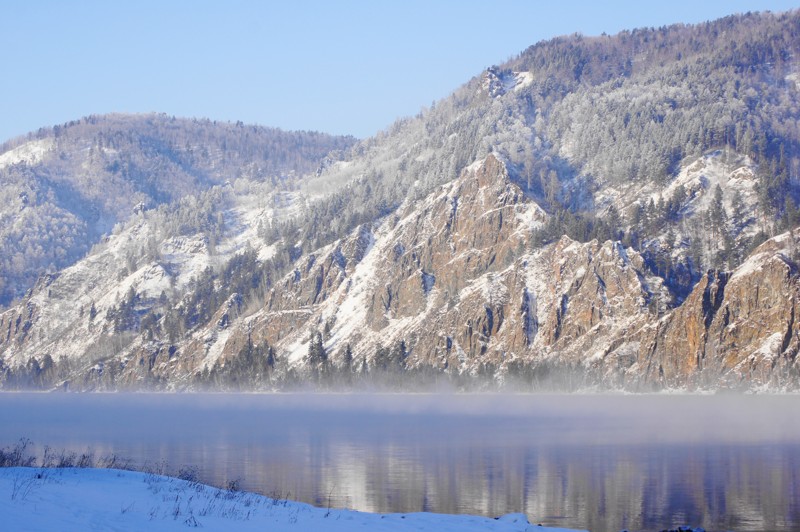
{"type": "Point", "coordinates": [33, 499]}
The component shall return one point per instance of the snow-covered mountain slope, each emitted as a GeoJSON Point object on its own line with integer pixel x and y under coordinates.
{"type": "Point", "coordinates": [560, 220]}
{"type": "Point", "coordinates": [454, 280]}
{"type": "Point", "coordinates": [62, 189]}
{"type": "Point", "coordinates": [30, 152]}
{"type": "Point", "coordinates": [71, 315]}
{"type": "Point", "coordinates": [451, 285]}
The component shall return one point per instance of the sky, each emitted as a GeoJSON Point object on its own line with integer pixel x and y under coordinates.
{"type": "Point", "coordinates": [343, 67]}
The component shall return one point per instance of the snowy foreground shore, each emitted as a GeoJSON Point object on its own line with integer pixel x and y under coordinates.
{"type": "Point", "coordinates": [111, 499]}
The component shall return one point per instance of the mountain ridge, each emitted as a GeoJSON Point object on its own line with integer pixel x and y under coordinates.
{"type": "Point", "coordinates": [572, 219]}
{"type": "Point", "coordinates": [67, 186]}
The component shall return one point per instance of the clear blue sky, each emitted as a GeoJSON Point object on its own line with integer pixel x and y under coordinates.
{"type": "Point", "coordinates": [336, 66]}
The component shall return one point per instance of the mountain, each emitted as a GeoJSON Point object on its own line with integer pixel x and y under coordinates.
{"type": "Point", "coordinates": [65, 187]}
{"type": "Point", "coordinates": [613, 212]}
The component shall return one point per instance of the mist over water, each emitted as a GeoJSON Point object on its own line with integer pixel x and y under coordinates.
{"type": "Point", "coordinates": [603, 462]}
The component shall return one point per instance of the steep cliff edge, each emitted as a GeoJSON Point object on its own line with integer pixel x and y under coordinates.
{"type": "Point", "coordinates": [454, 279]}
{"type": "Point", "coordinates": [735, 330]}
{"type": "Point", "coordinates": [451, 285]}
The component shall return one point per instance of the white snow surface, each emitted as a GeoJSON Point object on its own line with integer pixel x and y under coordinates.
{"type": "Point", "coordinates": [794, 78]}
{"type": "Point", "coordinates": [516, 81]}
{"type": "Point", "coordinates": [763, 256]}
{"type": "Point", "coordinates": [34, 499]}
{"type": "Point", "coordinates": [699, 177]}
{"type": "Point", "coordinates": [715, 168]}
{"type": "Point", "coordinates": [498, 84]}
{"type": "Point", "coordinates": [30, 152]}
{"type": "Point", "coordinates": [753, 264]}
{"type": "Point", "coordinates": [522, 80]}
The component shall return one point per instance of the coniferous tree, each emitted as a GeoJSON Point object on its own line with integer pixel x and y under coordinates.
{"type": "Point", "coordinates": [717, 215]}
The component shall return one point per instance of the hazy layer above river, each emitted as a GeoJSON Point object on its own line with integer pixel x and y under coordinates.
{"type": "Point", "coordinates": [593, 461]}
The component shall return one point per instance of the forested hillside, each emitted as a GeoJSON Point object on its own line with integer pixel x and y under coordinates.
{"type": "Point", "coordinates": [62, 188]}
{"type": "Point", "coordinates": [593, 128]}
{"type": "Point", "coordinates": [603, 212]}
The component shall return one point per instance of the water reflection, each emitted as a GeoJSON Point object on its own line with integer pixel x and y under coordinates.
{"type": "Point", "coordinates": [597, 462]}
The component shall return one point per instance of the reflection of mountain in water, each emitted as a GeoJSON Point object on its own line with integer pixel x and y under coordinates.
{"type": "Point", "coordinates": [596, 462]}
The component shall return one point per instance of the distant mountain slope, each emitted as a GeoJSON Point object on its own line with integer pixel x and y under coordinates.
{"type": "Point", "coordinates": [62, 188]}
{"type": "Point", "coordinates": [613, 212]}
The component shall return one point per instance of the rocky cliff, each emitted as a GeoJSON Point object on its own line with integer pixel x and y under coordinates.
{"type": "Point", "coordinates": [736, 329]}
{"type": "Point", "coordinates": [455, 280]}
{"type": "Point", "coordinates": [586, 215]}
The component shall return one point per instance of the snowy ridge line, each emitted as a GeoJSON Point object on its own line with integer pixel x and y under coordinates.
{"type": "Point", "coordinates": [113, 499]}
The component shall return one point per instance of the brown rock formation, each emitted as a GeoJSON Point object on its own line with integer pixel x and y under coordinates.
{"type": "Point", "coordinates": [455, 277]}
{"type": "Point", "coordinates": [736, 329]}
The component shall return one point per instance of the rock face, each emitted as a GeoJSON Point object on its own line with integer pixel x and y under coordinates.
{"type": "Point", "coordinates": [736, 329]}
{"type": "Point", "coordinates": [239, 248]}
{"type": "Point", "coordinates": [455, 283]}
{"type": "Point", "coordinates": [454, 279]}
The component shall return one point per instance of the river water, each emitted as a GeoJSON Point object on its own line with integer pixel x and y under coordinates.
{"type": "Point", "coordinates": [601, 462]}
